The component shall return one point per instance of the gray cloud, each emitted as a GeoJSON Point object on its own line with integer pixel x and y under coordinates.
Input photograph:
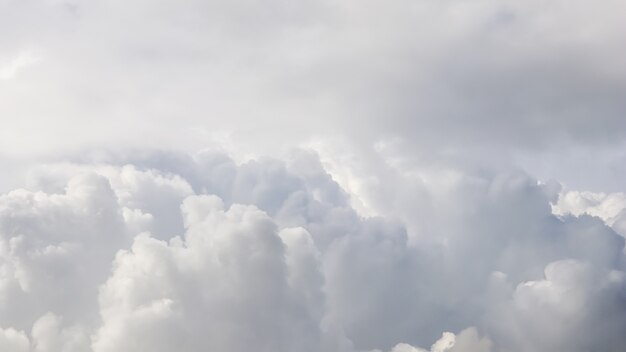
{"type": "Point", "coordinates": [484, 80]}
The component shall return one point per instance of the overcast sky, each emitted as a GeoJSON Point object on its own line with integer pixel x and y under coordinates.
{"type": "Point", "coordinates": [332, 176]}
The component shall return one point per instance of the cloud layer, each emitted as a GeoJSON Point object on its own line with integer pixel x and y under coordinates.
{"type": "Point", "coordinates": [270, 255]}
{"type": "Point", "coordinates": [489, 80]}
{"type": "Point", "coordinates": [324, 176]}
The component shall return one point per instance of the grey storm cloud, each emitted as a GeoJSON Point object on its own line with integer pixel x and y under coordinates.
{"type": "Point", "coordinates": [324, 176]}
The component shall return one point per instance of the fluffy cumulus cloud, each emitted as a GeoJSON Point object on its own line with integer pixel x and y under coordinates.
{"type": "Point", "coordinates": [610, 207]}
{"type": "Point", "coordinates": [467, 340]}
{"type": "Point", "coordinates": [270, 255]}
{"type": "Point", "coordinates": [323, 176]}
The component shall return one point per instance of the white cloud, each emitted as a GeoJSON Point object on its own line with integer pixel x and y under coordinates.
{"type": "Point", "coordinates": [573, 307]}
{"type": "Point", "coordinates": [49, 335]}
{"type": "Point", "coordinates": [50, 243]}
{"type": "Point", "coordinates": [269, 255]}
{"type": "Point", "coordinates": [467, 340]}
{"type": "Point", "coordinates": [415, 210]}
{"type": "Point", "coordinates": [610, 207]}
{"type": "Point", "coordinates": [13, 340]}
{"type": "Point", "coordinates": [10, 69]}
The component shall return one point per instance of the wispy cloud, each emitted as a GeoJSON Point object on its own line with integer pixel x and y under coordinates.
{"type": "Point", "coordinates": [20, 62]}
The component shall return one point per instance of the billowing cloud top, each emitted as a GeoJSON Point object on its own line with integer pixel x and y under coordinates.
{"type": "Point", "coordinates": [323, 176]}
{"type": "Point", "coordinates": [271, 255]}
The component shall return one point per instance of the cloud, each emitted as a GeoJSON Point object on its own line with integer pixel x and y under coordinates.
{"type": "Point", "coordinates": [269, 254]}
{"type": "Point", "coordinates": [572, 307]}
{"type": "Point", "coordinates": [48, 335]}
{"type": "Point", "coordinates": [467, 340]}
{"type": "Point", "coordinates": [608, 207]}
{"type": "Point", "coordinates": [54, 242]}
{"type": "Point", "coordinates": [227, 290]}
{"type": "Point", "coordinates": [341, 177]}
{"type": "Point", "coordinates": [12, 340]}
{"type": "Point", "coordinates": [17, 64]}
{"type": "Point", "coordinates": [535, 77]}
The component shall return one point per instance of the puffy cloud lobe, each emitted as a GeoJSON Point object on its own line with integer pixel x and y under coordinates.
{"type": "Point", "coordinates": [293, 266]}
{"type": "Point", "coordinates": [611, 207]}
{"type": "Point", "coordinates": [574, 307]}
{"type": "Point", "coordinates": [150, 197]}
{"type": "Point", "coordinates": [50, 335]}
{"type": "Point", "coordinates": [13, 340]}
{"type": "Point", "coordinates": [55, 249]}
{"type": "Point", "coordinates": [467, 340]}
{"type": "Point", "coordinates": [480, 225]}
{"type": "Point", "coordinates": [224, 287]}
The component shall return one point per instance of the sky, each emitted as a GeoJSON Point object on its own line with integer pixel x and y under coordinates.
{"type": "Point", "coordinates": [323, 176]}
